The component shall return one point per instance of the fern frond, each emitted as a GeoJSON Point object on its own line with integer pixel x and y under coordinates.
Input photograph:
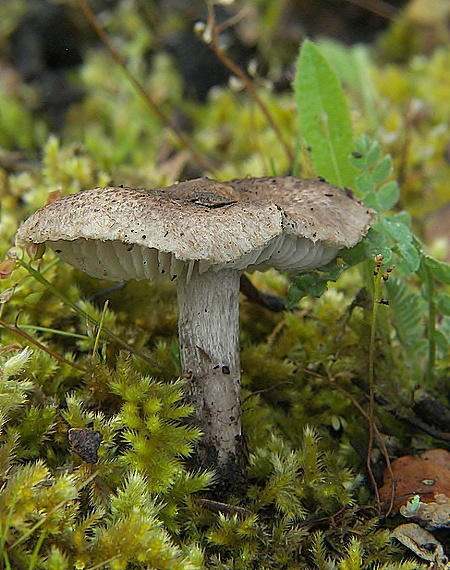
{"type": "Point", "coordinates": [407, 309]}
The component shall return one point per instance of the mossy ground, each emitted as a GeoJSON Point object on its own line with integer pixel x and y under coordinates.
{"type": "Point", "coordinates": [309, 501]}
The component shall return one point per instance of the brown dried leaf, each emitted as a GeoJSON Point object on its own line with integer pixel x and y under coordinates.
{"type": "Point", "coordinates": [6, 268]}
{"type": "Point", "coordinates": [421, 542]}
{"type": "Point", "coordinates": [422, 475]}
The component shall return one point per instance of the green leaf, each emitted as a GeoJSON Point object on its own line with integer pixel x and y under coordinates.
{"type": "Point", "coordinates": [313, 282]}
{"type": "Point", "coordinates": [441, 341]}
{"type": "Point", "coordinates": [324, 117]}
{"type": "Point", "coordinates": [356, 159]}
{"type": "Point", "coordinates": [335, 423]}
{"type": "Point", "coordinates": [306, 284]}
{"type": "Point", "coordinates": [371, 200]}
{"type": "Point", "coordinates": [398, 231]}
{"type": "Point", "coordinates": [353, 255]}
{"type": "Point", "coordinates": [377, 242]}
{"type": "Point", "coordinates": [410, 258]}
{"type": "Point", "coordinates": [388, 195]}
{"type": "Point", "coordinates": [374, 154]}
{"type": "Point", "coordinates": [403, 218]}
{"type": "Point", "coordinates": [341, 59]}
{"type": "Point", "coordinates": [443, 304]}
{"type": "Point", "coordinates": [362, 144]}
{"type": "Point", "coordinates": [407, 308]}
{"type": "Point", "coordinates": [382, 170]}
{"type": "Point", "coordinates": [439, 269]}
{"type": "Point", "coordinates": [365, 183]}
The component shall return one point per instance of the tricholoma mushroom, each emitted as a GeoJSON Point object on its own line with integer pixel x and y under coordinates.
{"type": "Point", "coordinates": [203, 234]}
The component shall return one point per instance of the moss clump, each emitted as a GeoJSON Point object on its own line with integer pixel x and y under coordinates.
{"type": "Point", "coordinates": [69, 360]}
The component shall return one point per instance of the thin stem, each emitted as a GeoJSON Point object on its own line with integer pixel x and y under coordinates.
{"type": "Point", "coordinates": [99, 328]}
{"type": "Point", "coordinates": [379, 7]}
{"type": "Point", "coordinates": [12, 503]}
{"type": "Point", "coordinates": [25, 282]}
{"type": "Point", "coordinates": [335, 385]}
{"type": "Point", "coordinates": [104, 563]}
{"type": "Point", "coordinates": [37, 548]}
{"type": "Point", "coordinates": [378, 280]}
{"type": "Point", "coordinates": [57, 293]}
{"type": "Point", "coordinates": [248, 84]}
{"type": "Point", "coordinates": [54, 331]}
{"type": "Point", "coordinates": [179, 135]}
{"type": "Point", "coordinates": [217, 507]}
{"type": "Point", "coordinates": [431, 324]}
{"type": "Point", "coordinates": [15, 329]}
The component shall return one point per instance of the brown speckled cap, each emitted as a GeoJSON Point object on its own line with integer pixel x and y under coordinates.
{"type": "Point", "coordinates": [126, 233]}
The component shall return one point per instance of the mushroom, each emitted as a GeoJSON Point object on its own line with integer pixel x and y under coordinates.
{"type": "Point", "coordinates": [203, 234]}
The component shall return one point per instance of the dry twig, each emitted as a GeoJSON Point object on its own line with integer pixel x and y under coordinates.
{"type": "Point", "coordinates": [180, 136]}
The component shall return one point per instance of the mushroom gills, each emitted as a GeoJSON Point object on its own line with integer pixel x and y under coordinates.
{"type": "Point", "coordinates": [117, 261]}
{"type": "Point", "coordinates": [310, 257]}
{"type": "Point", "coordinates": [285, 253]}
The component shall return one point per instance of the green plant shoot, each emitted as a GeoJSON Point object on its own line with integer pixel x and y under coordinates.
{"type": "Point", "coordinates": [324, 117]}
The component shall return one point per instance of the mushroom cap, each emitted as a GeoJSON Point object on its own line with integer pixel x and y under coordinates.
{"type": "Point", "coordinates": [121, 233]}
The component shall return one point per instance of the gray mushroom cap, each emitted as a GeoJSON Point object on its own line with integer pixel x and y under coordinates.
{"type": "Point", "coordinates": [120, 233]}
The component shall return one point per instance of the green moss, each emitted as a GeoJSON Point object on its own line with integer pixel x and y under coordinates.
{"type": "Point", "coordinates": [114, 368]}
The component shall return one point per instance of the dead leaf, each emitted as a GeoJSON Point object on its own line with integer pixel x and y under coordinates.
{"type": "Point", "coordinates": [422, 475]}
{"type": "Point", "coordinates": [7, 267]}
{"type": "Point", "coordinates": [422, 543]}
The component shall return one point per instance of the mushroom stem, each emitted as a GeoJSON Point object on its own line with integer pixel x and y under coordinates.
{"type": "Point", "coordinates": [208, 324]}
